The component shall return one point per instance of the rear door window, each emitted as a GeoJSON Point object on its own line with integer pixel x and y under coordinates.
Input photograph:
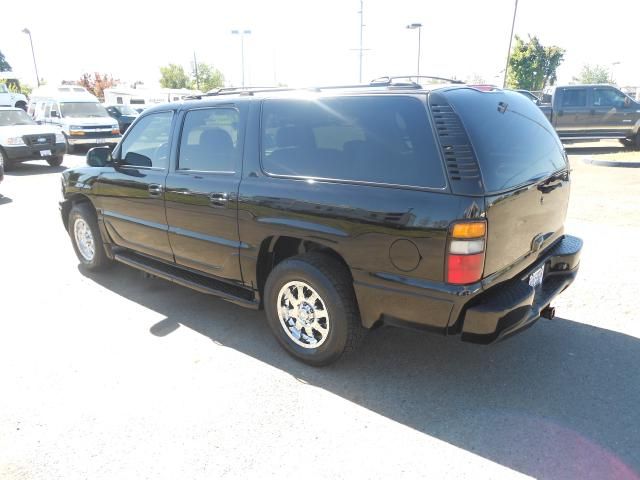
{"type": "Point", "coordinates": [574, 97]}
{"type": "Point", "coordinates": [514, 142]}
{"type": "Point", "coordinates": [381, 139]}
{"type": "Point", "coordinates": [209, 141]}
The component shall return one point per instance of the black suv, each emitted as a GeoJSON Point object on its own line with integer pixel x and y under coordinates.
{"type": "Point", "coordinates": [337, 210]}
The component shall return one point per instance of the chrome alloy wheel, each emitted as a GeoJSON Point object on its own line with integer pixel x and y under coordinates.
{"type": "Point", "coordinates": [84, 239]}
{"type": "Point", "coordinates": [303, 314]}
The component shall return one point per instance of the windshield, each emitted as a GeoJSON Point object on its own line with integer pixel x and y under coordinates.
{"type": "Point", "coordinates": [14, 117]}
{"type": "Point", "coordinates": [126, 110]}
{"type": "Point", "coordinates": [82, 109]}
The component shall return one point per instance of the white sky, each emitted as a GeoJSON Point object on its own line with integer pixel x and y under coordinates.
{"type": "Point", "coordinates": [304, 43]}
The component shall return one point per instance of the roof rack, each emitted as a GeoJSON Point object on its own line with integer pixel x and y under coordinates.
{"type": "Point", "coordinates": [386, 80]}
{"type": "Point", "coordinates": [378, 82]}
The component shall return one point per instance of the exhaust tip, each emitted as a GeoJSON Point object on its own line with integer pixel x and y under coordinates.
{"type": "Point", "coordinates": [548, 312]}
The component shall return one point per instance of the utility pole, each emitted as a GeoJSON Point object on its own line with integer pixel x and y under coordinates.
{"type": "Point", "coordinates": [361, 12]}
{"type": "Point", "coordinates": [242, 34]}
{"type": "Point", "coordinates": [417, 26]}
{"type": "Point", "coordinates": [195, 66]}
{"type": "Point", "coordinates": [513, 23]}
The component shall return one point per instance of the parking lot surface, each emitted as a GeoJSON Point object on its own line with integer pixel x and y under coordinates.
{"type": "Point", "coordinates": [114, 376]}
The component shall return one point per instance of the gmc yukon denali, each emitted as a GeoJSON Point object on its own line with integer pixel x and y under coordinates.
{"type": "Point", "coordinates": [593, 112]}
{"type": "Point", "coordinates": [336, 210]}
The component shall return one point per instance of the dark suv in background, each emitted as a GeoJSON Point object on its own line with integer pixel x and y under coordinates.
{"type": "Point", "coordinates": [338, 210]}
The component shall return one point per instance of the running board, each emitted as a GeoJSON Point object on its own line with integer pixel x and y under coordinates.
{"type": "Point", "coordinates": [200, 283]}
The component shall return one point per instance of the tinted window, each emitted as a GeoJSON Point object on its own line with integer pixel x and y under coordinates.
{"type": "Point", "coordinates": [608, 97]}
{"type": "Point", "coordinates": [147, 144]}
{"type": "Point", "coordinates": [513, 146]}
{"type": "Point", "coordinates": [574, 97]}
{"type": "Point", "coordinates": [209, 140]}
{"type": "Point", "coordinates": [382, 139]}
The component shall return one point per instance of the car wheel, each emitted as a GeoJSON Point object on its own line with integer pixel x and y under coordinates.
{"type": "Point", "coordinates": [311, 308]}
{"type": "Point", "coordinates": [636, 141]}
{"type": "Point", "coordinates": [55, 161]}
{"type": "Point", "coordinates": [86, 238]}
{"type": "Point", "coordinates": [5, 161]}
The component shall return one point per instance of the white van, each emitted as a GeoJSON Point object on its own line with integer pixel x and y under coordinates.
{"type": "Point", "coordinates": [83, 120]}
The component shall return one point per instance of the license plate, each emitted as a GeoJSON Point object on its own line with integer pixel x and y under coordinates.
{"type": "Point", "coordinates": [535, 278]}
{"type": "Point", "coordinates": [45, 153]}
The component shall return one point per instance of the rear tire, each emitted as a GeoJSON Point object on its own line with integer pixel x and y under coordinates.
{"type": "Point", "coordinates": [5, 161]}
{"type": "Point", "coordinates": [55, 161]}
{"type": "Point", "coordinates": [311, 308]}
{"type": "Point", "coordinates": [86, 238]}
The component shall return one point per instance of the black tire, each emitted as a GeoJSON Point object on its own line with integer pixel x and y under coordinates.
{"type": "Point", "coordinates": [84, 212]}
{"type": "Point", "coordinates": [332, 282]}
{"type": "Point", "coordinates": [636, 141]}
{"type": "Point", "coordinates": [55, 161]}
{"type": "Point", "coordinates": [5, 161]}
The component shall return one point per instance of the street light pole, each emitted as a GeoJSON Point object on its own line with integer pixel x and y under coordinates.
{"type": "Point", "coordinates": [513, 23]}
{"type": "Point", "coordinates": [418, 26]}
{"type": "Point", "coordinates": [33, 53]}
{"type": "Point", "coordinates": [195, 67]}
{"type": "Point", "coordinates": [242, 34]}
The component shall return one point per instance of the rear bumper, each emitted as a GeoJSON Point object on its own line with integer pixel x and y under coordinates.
{"type": "Point", "coordinates": [480, 314]}
{"type": "Point", "coordinates": [513, 305]}
{"type": "Point", "coordinates": [24, 152]}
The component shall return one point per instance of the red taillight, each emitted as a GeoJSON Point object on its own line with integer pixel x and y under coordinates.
{"type": "Point", "coordinates": [465, 252]}
{"type": "Point", "coordinates": [463, 269]}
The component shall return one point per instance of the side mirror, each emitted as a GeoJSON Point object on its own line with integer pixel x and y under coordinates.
{"type": "Point", "coordinates": [627, 101]}
{"type": "Point", "coordinates": [54, 114]}
{"type": "Point", "coordinates": [99, 157]}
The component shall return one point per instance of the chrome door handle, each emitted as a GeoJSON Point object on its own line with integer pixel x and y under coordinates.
{"type": "Point", "coordinates": [155, 190]}
{"type": "Point", "coordinates": [218, 200]}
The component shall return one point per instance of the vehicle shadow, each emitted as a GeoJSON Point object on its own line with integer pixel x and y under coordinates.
{"type": "Point", "coordinates": [592, 150]}
{"type": "Point", "coordinates": [28, 169]}
{"type": "Point", "coordinates": [4, 200]}
{"type": "Point", "coordinates": [559, 401]}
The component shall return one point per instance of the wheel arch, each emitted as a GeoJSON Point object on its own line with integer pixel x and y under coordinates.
{"type": "Point", "coordinates": [70, 202]}
{"type": "Point", "coordinates": [274, 249]}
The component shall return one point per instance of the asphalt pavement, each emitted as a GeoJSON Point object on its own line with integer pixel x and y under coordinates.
{"type": "Point", "coordinates": [115, 376]}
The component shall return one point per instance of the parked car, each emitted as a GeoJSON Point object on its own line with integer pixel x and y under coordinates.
{"type": "Point", "coordinates": [529, 95]}
{"type": "Point", "coordinates": [83, 120]}
{"type": "Point", "coordinates": [436, 207]}
{"type": "Point", "coordinates": [124, 115]}
{"type": "Point", "coordinates": [11, 99]}
{"type": "Point", "coordinates": [593, 112]}
{"type": "Point", "coordinates": [21, 139]}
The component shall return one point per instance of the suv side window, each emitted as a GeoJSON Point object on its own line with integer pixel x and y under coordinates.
{"type": "Point", "coordinates": [147, 143]}
{"type": "Point", "coordinates": [209, 140]}
{"type": "Point", "coordinates": [608, 97]}
{"type": "Point", "coordinates": [381, 139]}
{"type": "Point", "coordinates": [574, 97]}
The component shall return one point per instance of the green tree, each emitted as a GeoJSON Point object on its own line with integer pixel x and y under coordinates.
{"type": "Point", "coordinates": [533, 66]}
{"type": "Point", "coordinates": [208, 77]}
{"type": "Point", "coordinates": [594, 74]}
{"type": "Point", "coordinates": [4, 65]}
{"type": "Point", "coordinates": [174, 76]}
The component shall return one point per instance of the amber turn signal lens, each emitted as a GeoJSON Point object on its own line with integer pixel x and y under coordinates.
{"type": "Point", "coordinates": [469, 230]}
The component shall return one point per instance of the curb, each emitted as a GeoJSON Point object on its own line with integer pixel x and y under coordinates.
{"type": "Point", "coordinates": [611, 163]}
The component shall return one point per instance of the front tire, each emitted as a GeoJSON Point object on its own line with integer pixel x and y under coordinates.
{"type": "Point", "coordinates": [55, 161]}
{"type": "Point", "coordinates": [311, 308]}
{"type": "Point", "coordinates": [85, 237]}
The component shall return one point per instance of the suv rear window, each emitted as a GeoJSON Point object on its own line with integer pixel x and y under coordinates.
{"type": "Point", "coordinates": [514, 146]}
{"type": "Point", "coordinates": [385, 140]}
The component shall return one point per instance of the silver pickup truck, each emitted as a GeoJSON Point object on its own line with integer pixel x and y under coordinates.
{"type": "Point", "coordinates": [592, 112]}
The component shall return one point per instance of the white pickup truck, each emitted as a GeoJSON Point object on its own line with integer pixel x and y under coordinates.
{"type": "Point", "coordinates": [11, 99]}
